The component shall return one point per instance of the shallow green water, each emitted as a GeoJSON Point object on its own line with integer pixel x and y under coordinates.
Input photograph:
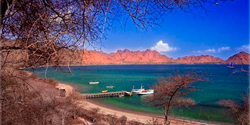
{"type": "Point", "coordinates": [222, 84]}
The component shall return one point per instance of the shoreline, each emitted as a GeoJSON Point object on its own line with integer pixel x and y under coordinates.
{"type": "Point", "coordinates": [146, 116]}
{"type": "Point", "coordinates": [143, 64]}
{"type": "Point", "coordinates": [119, 113]}
{"type": "Point", "coordinates": [125, 110]}
{"type": "Point", "coordinates": [143, 117]}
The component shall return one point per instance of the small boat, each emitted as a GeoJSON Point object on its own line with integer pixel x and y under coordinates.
{"type": "Point", "coordinates": [104, 91]}
{"type": "Point", "coordinates": [138, 90]}
{"type": "Point", "coordinates": [146, 92]}
{"type": "Point", "coordinates": [110, 87]}
{"type": "Point", "coordinates": [92, 83]}
{"type": "Point", "coordinates": [230, 66]}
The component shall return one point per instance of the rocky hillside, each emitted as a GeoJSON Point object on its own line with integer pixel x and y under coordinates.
{"type": "Point", "coordinates": [152, 57]}
{"type": "Point", "coordinates": [239, 58]}
{"type": "Point", "coordinates": [125, 57]}
{"type": "Point", "coordinates": [17, 57]}
{"type": "Point", "coordinates": [198, 59]}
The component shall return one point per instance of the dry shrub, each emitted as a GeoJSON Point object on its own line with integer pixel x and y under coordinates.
{"type": "Point", "coordinates": [74, 96]}
{"type": "Point", "coordinates": [97, 118]}
{"type": "Point", "coordinates": [111, 120]}
{"type": "Point", "coordinates": [13, 95]}
{"type": "Point", "coordinates": [51, 82]}
{"type": "Point", "coordinates": [33, 76]}
{"type": "Point", "coordinates": [86, 115]}
{"type": "Point", "coordinates": [134, 122]}
{"type": "Point", "coordinates": [122, 120]}
{"type": "Point", "coordinates": [237, 110]}
{"type": "Point", "coordinates": [99, 123]}
{"type": "Point", "coordinates": [28, 102]}
{"type": "Point", "coordinates": [78, 122]}
{"type": "Point", "coordinates": [95, 115]}
{"type": "Point", "coordinates": [154, 121]}
{"type": "Point", "coordinates": [92, 115]}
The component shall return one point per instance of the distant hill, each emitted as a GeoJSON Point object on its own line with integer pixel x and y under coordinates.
{"type": "Point", "coordinates": [239, 58]}
{"type": "Point", "coordinates": [125, 57]}
{"type": "Point", "coordinates": [198, 59]}
{"type": "Point", "coordinates": [18, 56]}
{"type": "Point", "coordinates": [153, 57]}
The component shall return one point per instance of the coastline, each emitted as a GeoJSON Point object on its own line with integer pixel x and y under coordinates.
{"type": "Point", "coordinates": [142, 64]}
{"type": "Point", "coordinates": [133, 115]}
{"type": "Point", "coordinates": [160, 116]}
{"type": "Point", "coordinates": [119, 113]}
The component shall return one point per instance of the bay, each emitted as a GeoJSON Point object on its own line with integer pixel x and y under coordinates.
{"type": "Point", "coordinates": [222, 84]}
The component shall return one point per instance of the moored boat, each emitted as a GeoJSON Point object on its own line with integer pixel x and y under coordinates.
{"type": "Point", "coordinates": [142, 91]}
{"type": "Point", "coordinates": [138, 90]}
{"type": "Point", "coordinates": [93, 83]}
{"type": "Point", "coordinates": [104, 91]}
{"type": "Point", "coordinates": [110, 87]}
{"type": "Point", "coordinates": [146, 92]}
{"type": "Point", "coordinates": [230, 66]}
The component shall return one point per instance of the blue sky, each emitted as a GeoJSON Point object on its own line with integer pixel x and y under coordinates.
{"type": "Point", "coordinates": [222, 32]}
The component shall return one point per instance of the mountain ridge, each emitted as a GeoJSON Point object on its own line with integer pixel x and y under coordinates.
{"type": "Point", "coordinates": [93, 57]}
{"type": "Point", "coordinates": [18, 57]}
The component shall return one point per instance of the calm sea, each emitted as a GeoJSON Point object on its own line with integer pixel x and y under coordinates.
{"type": "Point", "coordinates": [222, 84]}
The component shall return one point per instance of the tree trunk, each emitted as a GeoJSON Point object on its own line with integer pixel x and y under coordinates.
{"type": "Point", "coordinates": [165, 114]}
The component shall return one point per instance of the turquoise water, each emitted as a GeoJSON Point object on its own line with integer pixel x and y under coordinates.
{"type": "Point", "coordinates": [222, 84]}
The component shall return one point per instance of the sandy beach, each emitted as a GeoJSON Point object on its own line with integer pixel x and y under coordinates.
{"type": "Point", "coordinates": [131, 116]}
{"type": "Point", "coordinates": [142, 117]}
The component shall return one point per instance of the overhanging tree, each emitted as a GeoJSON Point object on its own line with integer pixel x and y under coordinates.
{"type": "Point", "coordinates": [44, 27]}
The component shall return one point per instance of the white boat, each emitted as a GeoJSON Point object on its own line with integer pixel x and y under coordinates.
{"type": "Point", "coordinates": [110, 87]}
{"type": "Point", "coordinates": [146, 92]}
{"type": "Point", "coordinates": [138, 90]}
{"type": "Point", "coordinates": [93, 83]}
{"type": "Point", "coordinates": [142, 91]}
